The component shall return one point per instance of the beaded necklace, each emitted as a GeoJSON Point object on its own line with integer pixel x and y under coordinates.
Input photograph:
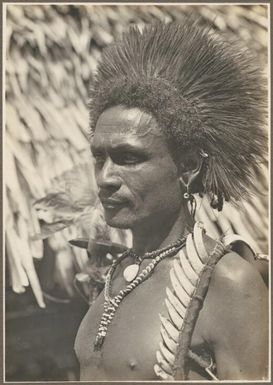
{"type": "Point", "coordinates": [111, 304]}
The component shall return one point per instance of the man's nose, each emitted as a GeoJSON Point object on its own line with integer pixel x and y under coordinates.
{"type": "Point", "coordinates": [107, 176]}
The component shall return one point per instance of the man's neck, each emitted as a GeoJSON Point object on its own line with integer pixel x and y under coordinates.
{"type": "Point", "coordinates": [162, 233]}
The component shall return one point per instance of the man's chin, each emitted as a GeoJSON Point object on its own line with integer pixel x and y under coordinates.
{"type": "Point", "coordinates": [118, 222]}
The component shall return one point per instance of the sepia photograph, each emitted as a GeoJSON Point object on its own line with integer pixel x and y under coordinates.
{"type": "Point", "coordinates": [136, 231]}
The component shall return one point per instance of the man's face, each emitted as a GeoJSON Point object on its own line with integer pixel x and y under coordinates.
{"type": "Point", "coordinates": [137, 178]}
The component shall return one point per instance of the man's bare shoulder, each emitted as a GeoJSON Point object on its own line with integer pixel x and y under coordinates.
{"type": "Point", "coordinates": [236, 295]}
{"type": "Point", "coordinates": [234, 273]}
{"type": "Point", "coordinates": [235, 319]}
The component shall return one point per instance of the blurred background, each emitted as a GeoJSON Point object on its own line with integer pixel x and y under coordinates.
{"type": "Point", "coordinates": [50, 193]}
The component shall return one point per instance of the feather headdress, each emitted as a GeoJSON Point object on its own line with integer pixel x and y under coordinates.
{"type": "Point", "coordinates": [204, 91]}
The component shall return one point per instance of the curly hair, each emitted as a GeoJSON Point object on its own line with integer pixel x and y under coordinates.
{"type": "Point", "coordinates": [204, 90]}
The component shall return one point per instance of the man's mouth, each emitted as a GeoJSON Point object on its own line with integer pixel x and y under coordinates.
{"type": "Point", "coordinates": [110, 203]}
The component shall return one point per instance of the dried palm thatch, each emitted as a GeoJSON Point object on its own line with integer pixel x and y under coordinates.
{"type": "Point", "coordinates": [51, 53]}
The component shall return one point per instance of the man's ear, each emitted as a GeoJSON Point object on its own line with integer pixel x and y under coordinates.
{"type": "Point", "coordinates": [191, 170]}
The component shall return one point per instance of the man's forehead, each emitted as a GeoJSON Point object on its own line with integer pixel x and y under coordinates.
{"type": "Point", "coordinates": [120, 120]}
{"type": "Point", "coordinates": [120, 128]}
{"type": "Point", "coordinates": [119, 138]}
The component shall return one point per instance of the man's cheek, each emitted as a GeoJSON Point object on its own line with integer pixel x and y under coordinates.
{"type": "Point", "coordinates": [138, 187]}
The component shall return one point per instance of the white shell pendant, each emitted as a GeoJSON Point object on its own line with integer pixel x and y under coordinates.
{"type": "Point", "coordinates": [130, 272]}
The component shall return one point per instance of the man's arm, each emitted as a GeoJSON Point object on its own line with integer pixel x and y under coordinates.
{"type": "Point", "coordinates": [237, 320]}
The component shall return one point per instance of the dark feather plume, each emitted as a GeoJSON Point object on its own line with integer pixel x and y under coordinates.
{"type": "Point", "coordinates": [204, 90]}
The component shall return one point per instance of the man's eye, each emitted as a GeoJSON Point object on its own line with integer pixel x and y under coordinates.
{"type": "Point", "coordinates": [124, 159]}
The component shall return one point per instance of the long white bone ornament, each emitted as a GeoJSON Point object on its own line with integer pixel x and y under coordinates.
{"type": "Point", "coordinates": [184, 276]}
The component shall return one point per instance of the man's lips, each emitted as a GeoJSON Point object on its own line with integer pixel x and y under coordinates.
{"type": "Point", "coordinates": [112, 203]}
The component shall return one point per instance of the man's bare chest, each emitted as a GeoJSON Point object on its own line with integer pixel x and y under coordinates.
{"type": "Point", "coordinates": [133, 337]}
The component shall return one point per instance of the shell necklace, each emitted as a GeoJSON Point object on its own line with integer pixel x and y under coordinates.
{"type": "Point", "coordinates": [130, 272]}
{"type": "Point", "coordinates": [111, 304]}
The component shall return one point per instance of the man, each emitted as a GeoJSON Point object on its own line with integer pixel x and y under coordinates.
{"type": "Point", "coordinates": [175, 110]}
